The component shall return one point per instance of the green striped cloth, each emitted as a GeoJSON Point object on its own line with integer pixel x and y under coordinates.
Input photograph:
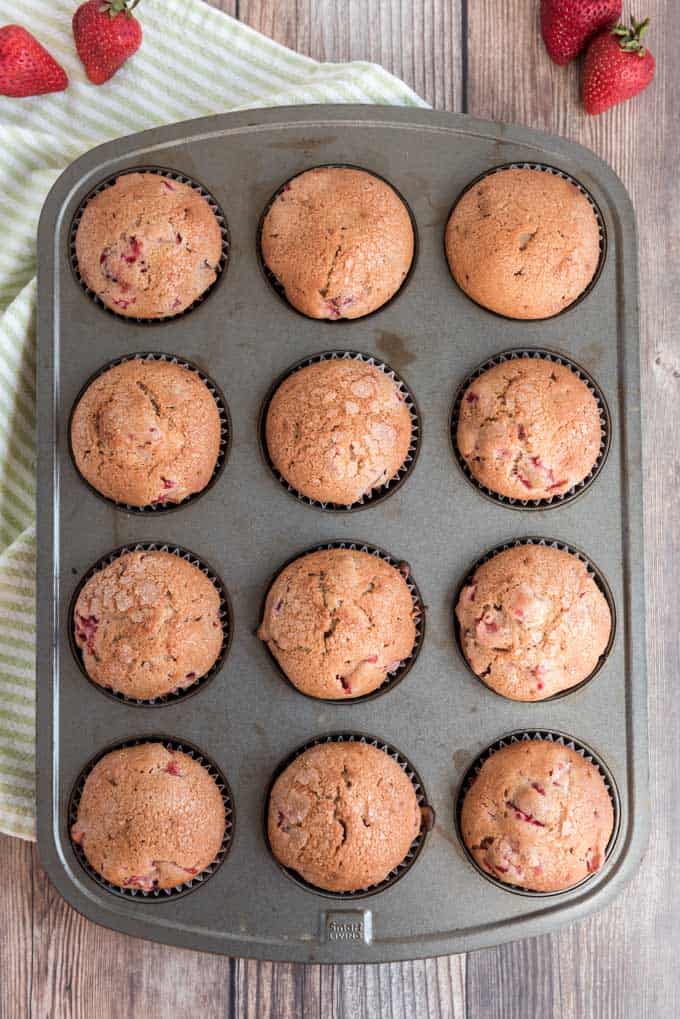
{"type": "Point", "coordinates": [194, 61]}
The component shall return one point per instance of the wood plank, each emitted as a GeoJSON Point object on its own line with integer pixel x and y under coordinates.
{"type": "Point", "coordinates": [621, 962]}
{"type": "Point", "coordinates": [415, 39]}
{"type": "Point", "coordinates": [16, 927]}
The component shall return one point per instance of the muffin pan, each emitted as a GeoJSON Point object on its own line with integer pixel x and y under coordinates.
{"type": "Point", "coordinates": [247, 720]}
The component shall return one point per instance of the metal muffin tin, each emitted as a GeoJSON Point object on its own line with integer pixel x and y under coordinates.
{"type": "Point", "coordinates": [247, 720]}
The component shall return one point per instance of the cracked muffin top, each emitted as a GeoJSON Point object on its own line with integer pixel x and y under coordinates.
{"type": "Point", "coordinates": [338, 622]}
{"type": "Point", "coordinates": [339, 241]}
{"type": "Point", "coordinates": [523, 243]}
{"type": "Point", "coordinates": [538, 815]}
{"type": "Point", "coordinates": [148, 246]}
{"type": "Point", "coordinates": [533, 622]}
{"type": "Point", "coordinates": [343, 815]}
{"type": "Point", "coordinates": [149, 818]}
{"type": "Point", "coordinates": [146, 433]}
{"type": "Point", "coordinates": [148, 625]}
{"type": "Point", "coordinates": [336, 430]}
{"type": "Point", "coordinates": [529, 429]}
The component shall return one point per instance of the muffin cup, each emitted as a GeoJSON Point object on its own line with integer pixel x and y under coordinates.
{"type": "Point", "coordinates": [538, 353]}
{"type": "Point", "coordinates": [225, 430]}
{"type": "Point", "coordinates": [383, 491]}
{"type": "Point", "coordinates": [427, 812]}
{"type": "Point", "coordinates": [544, 168]}
{"type": "Point", "coordinates": [593, 571]}
{"type": "Point", "coordinates": [158, 894]}
{"type": "Point", "coordinates": [226, 616]}
{"type": "Point", "coordinates": [181, 178]}
{"type": "Point", "coordinates": [276, 284]}
{"type": "Point", "coordinates": [394, 677]}
{"type": "Point", "coordinates": [552, 736]}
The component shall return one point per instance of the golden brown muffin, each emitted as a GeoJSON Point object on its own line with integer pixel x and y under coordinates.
{"type": "Point", "coordinates": [149, 818]}
{"type": "Point", "coordinates": [146, 433]}
{"type": "Point", "coordinates": [148, 246]}
{"type": "Point", "coordinates": [339, 241]}
{"type": "Point", "coordinates": [533, 622]}
{"type": "Point", "coordinates": [338, 429]}
{"type": "Point", "coordinates": [524, 243]}
{"type": "Point", "coordinates": [529, 429]}
{"type": "Point", "coordinates": [538, 815]}
{"type": "Point", "coordinates": [343, 815]}
{"type": "Point", "coordinates": [338, 622]}
{"type": "Point", "coordinates": [148, 625]}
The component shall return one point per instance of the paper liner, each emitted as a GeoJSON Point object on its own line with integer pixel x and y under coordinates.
{"type": "Point", "coordinates": [226, 617]}
{"type": "Point", "coordinates": [157, 894]}
{"type": "Point", "coordinates": [537, 353]}
{"type": "Point", "coordinates": [181, 178]}
{"type": "Point", "coordinates": [225, 430]}
{"type": "Point", "coordinates": [382, 491]}
{"type": "Point", "coordinates": [552, 736]}
{"type": "Point", "coordinates": [393, 677]}
{"type": "Point", "coordinates": [416, 846]}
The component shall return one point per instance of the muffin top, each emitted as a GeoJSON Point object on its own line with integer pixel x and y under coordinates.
{"type": "Point", "coordinates": [523, 243]}
{"type": "Point", "coordinates": [149, 817]}
{"type": "Point", "coordinates": [529, 429]}
{"type": "Point", "coordinates": [338, 621]}
{"type": "Point", "coordinates": [538, 815]}
{"type": "Point", "coordinates": [533, 622]}
{"type": "Point", "coordinates": [148, 246]}
{"type": "Point", "coordinates": [338, 429]}
{"type": "Point", "coordinates": [146, 432]}
{"type": "Point", "coordinates": [339, 241]}
{"type": "Point", "coordinates": [148, 624]}
{"type": "Point", "coordinates": [343, 815]}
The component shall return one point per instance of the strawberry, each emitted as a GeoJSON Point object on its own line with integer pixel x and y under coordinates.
{"type": "Point", "coordinates": [567, 25]}
{"type": "Point", "coordinates": [26, 68]}
{"type": "Point", "coordinates": [106, 34]}
{"type": "Point", "coordinates": [617, 67]}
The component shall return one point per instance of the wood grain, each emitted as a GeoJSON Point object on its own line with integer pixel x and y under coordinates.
{"type": "Point", "coordinates": [485, 57]}
{"type": "Point", "coordinates": [415, 39]}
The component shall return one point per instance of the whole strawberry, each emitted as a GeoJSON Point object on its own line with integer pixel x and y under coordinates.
{"type": "Point", "coordinates": [617, 67]}
{"type": "Point", "coordinates": [106, 34]}
{"type": "Point", "coordinates": [26, 68]}
{"type": "Point", "coordinates": [567, 25]}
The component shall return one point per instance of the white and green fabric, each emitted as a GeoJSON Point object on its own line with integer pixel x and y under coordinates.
{"type": "Point", "coordinates": [194, 61]}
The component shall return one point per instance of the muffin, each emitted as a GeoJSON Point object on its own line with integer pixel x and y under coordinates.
{"type": "Point", "coordinates": [338, 429]}
{"type": "Point", "coordinates": [148, 625]}
{"type": "Point", "coordinates": [149, 818]}
{"type": "Point", "coordinates": [148, 246]}
{"type": "Point", "coordinates": [529, 429]}
{"type": "Point", "coordinates": [338, 622]}
{"type": "Point", "coordinates": [538, 815]}
{"type": "Point", "coordinates": [146, 433]}
{"type": "Point", "coordinates": [523, 243]}
{"type": "Point", "coordinates": [343, 815]}
{"type": "Point", "coordinates": [533, 622]}
{"type": "Point", "coordinates": [339, 241]}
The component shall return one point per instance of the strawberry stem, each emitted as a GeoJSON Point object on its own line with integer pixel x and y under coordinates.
{"type": "Point", "coordinates": [630, 39]}
{"type": "Point", "coordinates": [115, 7]}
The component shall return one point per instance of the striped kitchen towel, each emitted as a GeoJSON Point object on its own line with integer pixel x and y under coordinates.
{"type": "Point", "coordinates": [194, 61]}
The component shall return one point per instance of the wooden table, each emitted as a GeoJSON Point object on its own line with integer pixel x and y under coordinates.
{"type": "Point", "coordinates": [483, 57]}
